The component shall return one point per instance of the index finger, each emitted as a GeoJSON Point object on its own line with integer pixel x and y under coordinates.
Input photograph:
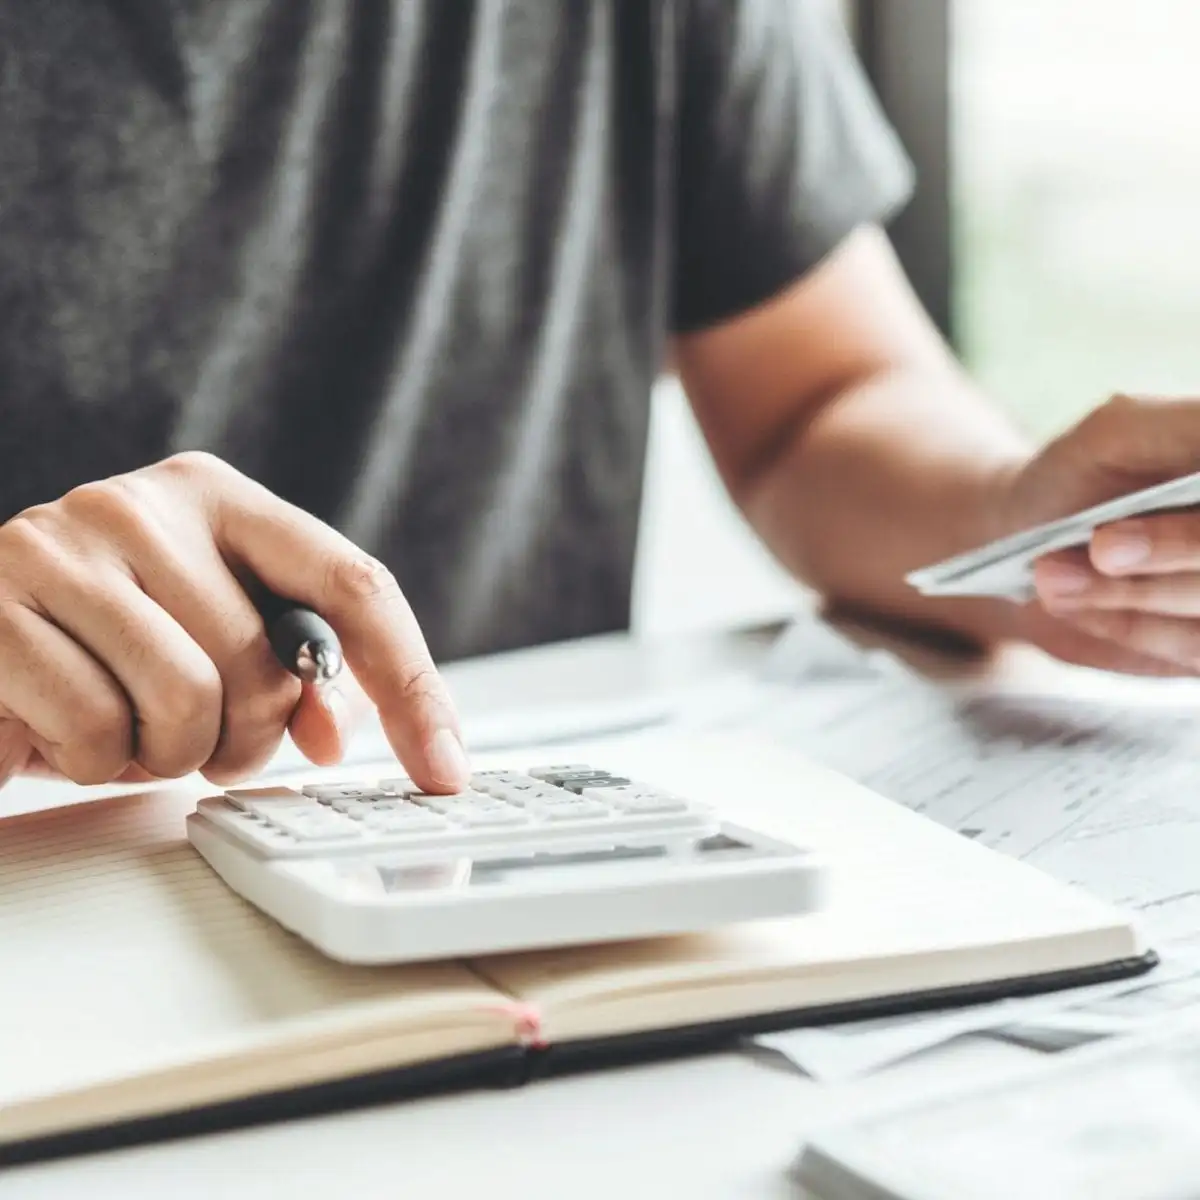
{"type": "Point", "coordinates": [300, 557]}
{"type": "Point", "coordinates": [1161, 544]}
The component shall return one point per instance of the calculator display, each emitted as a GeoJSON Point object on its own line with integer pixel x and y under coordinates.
{"type": "Point", "coordinates": [481, 872]}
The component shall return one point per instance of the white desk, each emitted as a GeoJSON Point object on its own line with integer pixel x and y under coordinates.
{"type": "Point", "coordinates": [724, 1125]}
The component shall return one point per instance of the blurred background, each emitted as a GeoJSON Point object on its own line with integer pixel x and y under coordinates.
{"type": "Point", "coordinates": [1055, 236]}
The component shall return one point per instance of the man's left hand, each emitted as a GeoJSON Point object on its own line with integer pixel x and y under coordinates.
{"type": "Point", "coordinates": [1130, 600]}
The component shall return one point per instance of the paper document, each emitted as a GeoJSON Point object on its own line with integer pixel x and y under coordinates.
{"type": "Point", "coordinates": [1156, 1002]}
{"type": "Point", "coordinates": [1119, 1121]}
{"type": "Point", "coordinates": [1101, 793]}
{"type": "Point", "coordinates": [1004, 567]}
{"type": "Point", "coordinates": [1054, 1021]}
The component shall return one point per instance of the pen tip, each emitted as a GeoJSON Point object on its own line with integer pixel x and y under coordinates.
{"type": "Point", "coordinates": [317, 664]}
{"type": "Point", "coordinates": [328, 663]}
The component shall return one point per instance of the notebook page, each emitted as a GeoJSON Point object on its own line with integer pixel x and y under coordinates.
{"type": "Point", "coordinates": [913, 905]}
{"type": "Point", "coordinates": [124, 953]}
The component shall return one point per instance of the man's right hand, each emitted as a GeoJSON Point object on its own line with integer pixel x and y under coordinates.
{"type": "Point", "coordinates": [130, 645]}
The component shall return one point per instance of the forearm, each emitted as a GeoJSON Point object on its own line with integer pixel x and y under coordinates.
{"type": "Point", "coordinates": [898, 471]}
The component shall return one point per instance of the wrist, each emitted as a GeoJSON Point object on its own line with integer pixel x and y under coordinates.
{"type": "Point", "coordinates": [992, 509]}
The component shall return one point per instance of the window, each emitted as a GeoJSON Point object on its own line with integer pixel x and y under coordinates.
{"type": "Point", "coordinates": [1075, 199]}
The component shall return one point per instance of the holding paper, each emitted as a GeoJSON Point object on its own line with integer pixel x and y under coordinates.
{"type": "Point", "coordinates": [1005, 568]}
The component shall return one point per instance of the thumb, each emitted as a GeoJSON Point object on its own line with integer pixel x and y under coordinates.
{"type": "Point", "coordinates": [321, 724]}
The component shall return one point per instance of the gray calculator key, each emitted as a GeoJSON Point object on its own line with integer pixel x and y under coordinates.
{"type": "Point", "coordinates": [581, 783]}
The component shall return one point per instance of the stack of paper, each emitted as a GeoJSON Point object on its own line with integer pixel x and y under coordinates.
{"type": "Point", "coordinates": [1004, 568]}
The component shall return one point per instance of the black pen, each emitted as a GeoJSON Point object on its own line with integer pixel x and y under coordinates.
{"type": "Point", "coordinates": [303, 641]}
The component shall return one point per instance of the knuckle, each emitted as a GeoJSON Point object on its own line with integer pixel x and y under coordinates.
{"type": "Point", "coordinates": [1123, 406]}
{"type": "Point", "coordinates": [28, 538]}
{"type": "Point", "coordinates": [419, 681]}
{"type": "Point", "coordinates": [120, 508]}
{"type": "Point", "coordinates": [35, 557]}
{"type": "Point", "coordinates": [1111, 419]}
{"type": "Point", "coordinates": [102, 501]}
{"type": "Point", "coordinates": [194, 464]}
{"type": "Point", "coordinates": [195, 698]}
{"type": "Point", "coordinates": [359, 579]}
{"type": "Point", "coordinates": [422, 692]}
{"type": "Point", "coordinates": [1123, 402]}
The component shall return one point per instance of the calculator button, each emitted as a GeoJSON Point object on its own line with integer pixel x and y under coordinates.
{"type": "Point", "coordinates": [503, 814]}
{"type": "Point", "coordinates": [445, 803]}
{"type": "Point", "coordinates": [558, 769]}
{"type": "Point", "coordinates": [401, 811]}
{"type": "Point", "coordinates": [580, 784]}
{"type": "Point", "coordinates": [398, 787]}
{"type": "Point", "coordinates": [524, 795]}
{"type": "Point", "coordinates": [269, 809]}
{"type": "Point", "coordinates": [243, 797]}
{"type": "Point", "coordinates": [483, 780]}
{"type": "Point", "coordinates": [339, 791]}
{"type": "Point", "coordinates": [578, 810]}
{"type": "Point", "coordinates": [559, 778]}
{"type": "Point", "coordinates": [394, 805]}
{"type": "Point", "coordinates": [634, 799]}
{"type": "Point", "coordinates": [350, 808]}
{"type": "Point", "coordinates": [406, 822]}
{"type": "Point", "coordinates": [315, 829]}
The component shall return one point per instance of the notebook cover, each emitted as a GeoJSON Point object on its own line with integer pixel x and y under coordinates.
{"type": "Point", "coordinates": [512, 1066]}
{"type": "Point", "coordinates": [592, 1053]}
{"type": "Point", "coordinates": [504, 1067]}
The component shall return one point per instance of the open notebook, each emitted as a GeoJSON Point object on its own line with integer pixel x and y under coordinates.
{"type": "Point", "coordinates": [142, 998]}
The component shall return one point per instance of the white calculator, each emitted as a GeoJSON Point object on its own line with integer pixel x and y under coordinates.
{"type": "Point", "coordinates": [380, 872]}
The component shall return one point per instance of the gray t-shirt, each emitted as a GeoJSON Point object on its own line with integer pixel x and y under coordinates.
{"type": "Point", "coordinates": [410, 263]}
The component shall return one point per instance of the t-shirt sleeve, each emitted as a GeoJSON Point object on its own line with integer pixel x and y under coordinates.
{"type": "Point", "coordinates": [783, 150]}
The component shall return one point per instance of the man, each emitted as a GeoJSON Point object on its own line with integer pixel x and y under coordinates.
{"type": "Point", "coordinates": [407, 270]}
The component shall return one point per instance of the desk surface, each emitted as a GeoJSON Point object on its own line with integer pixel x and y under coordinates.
{"type": "Point", "coordinates": [724, 1125]}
